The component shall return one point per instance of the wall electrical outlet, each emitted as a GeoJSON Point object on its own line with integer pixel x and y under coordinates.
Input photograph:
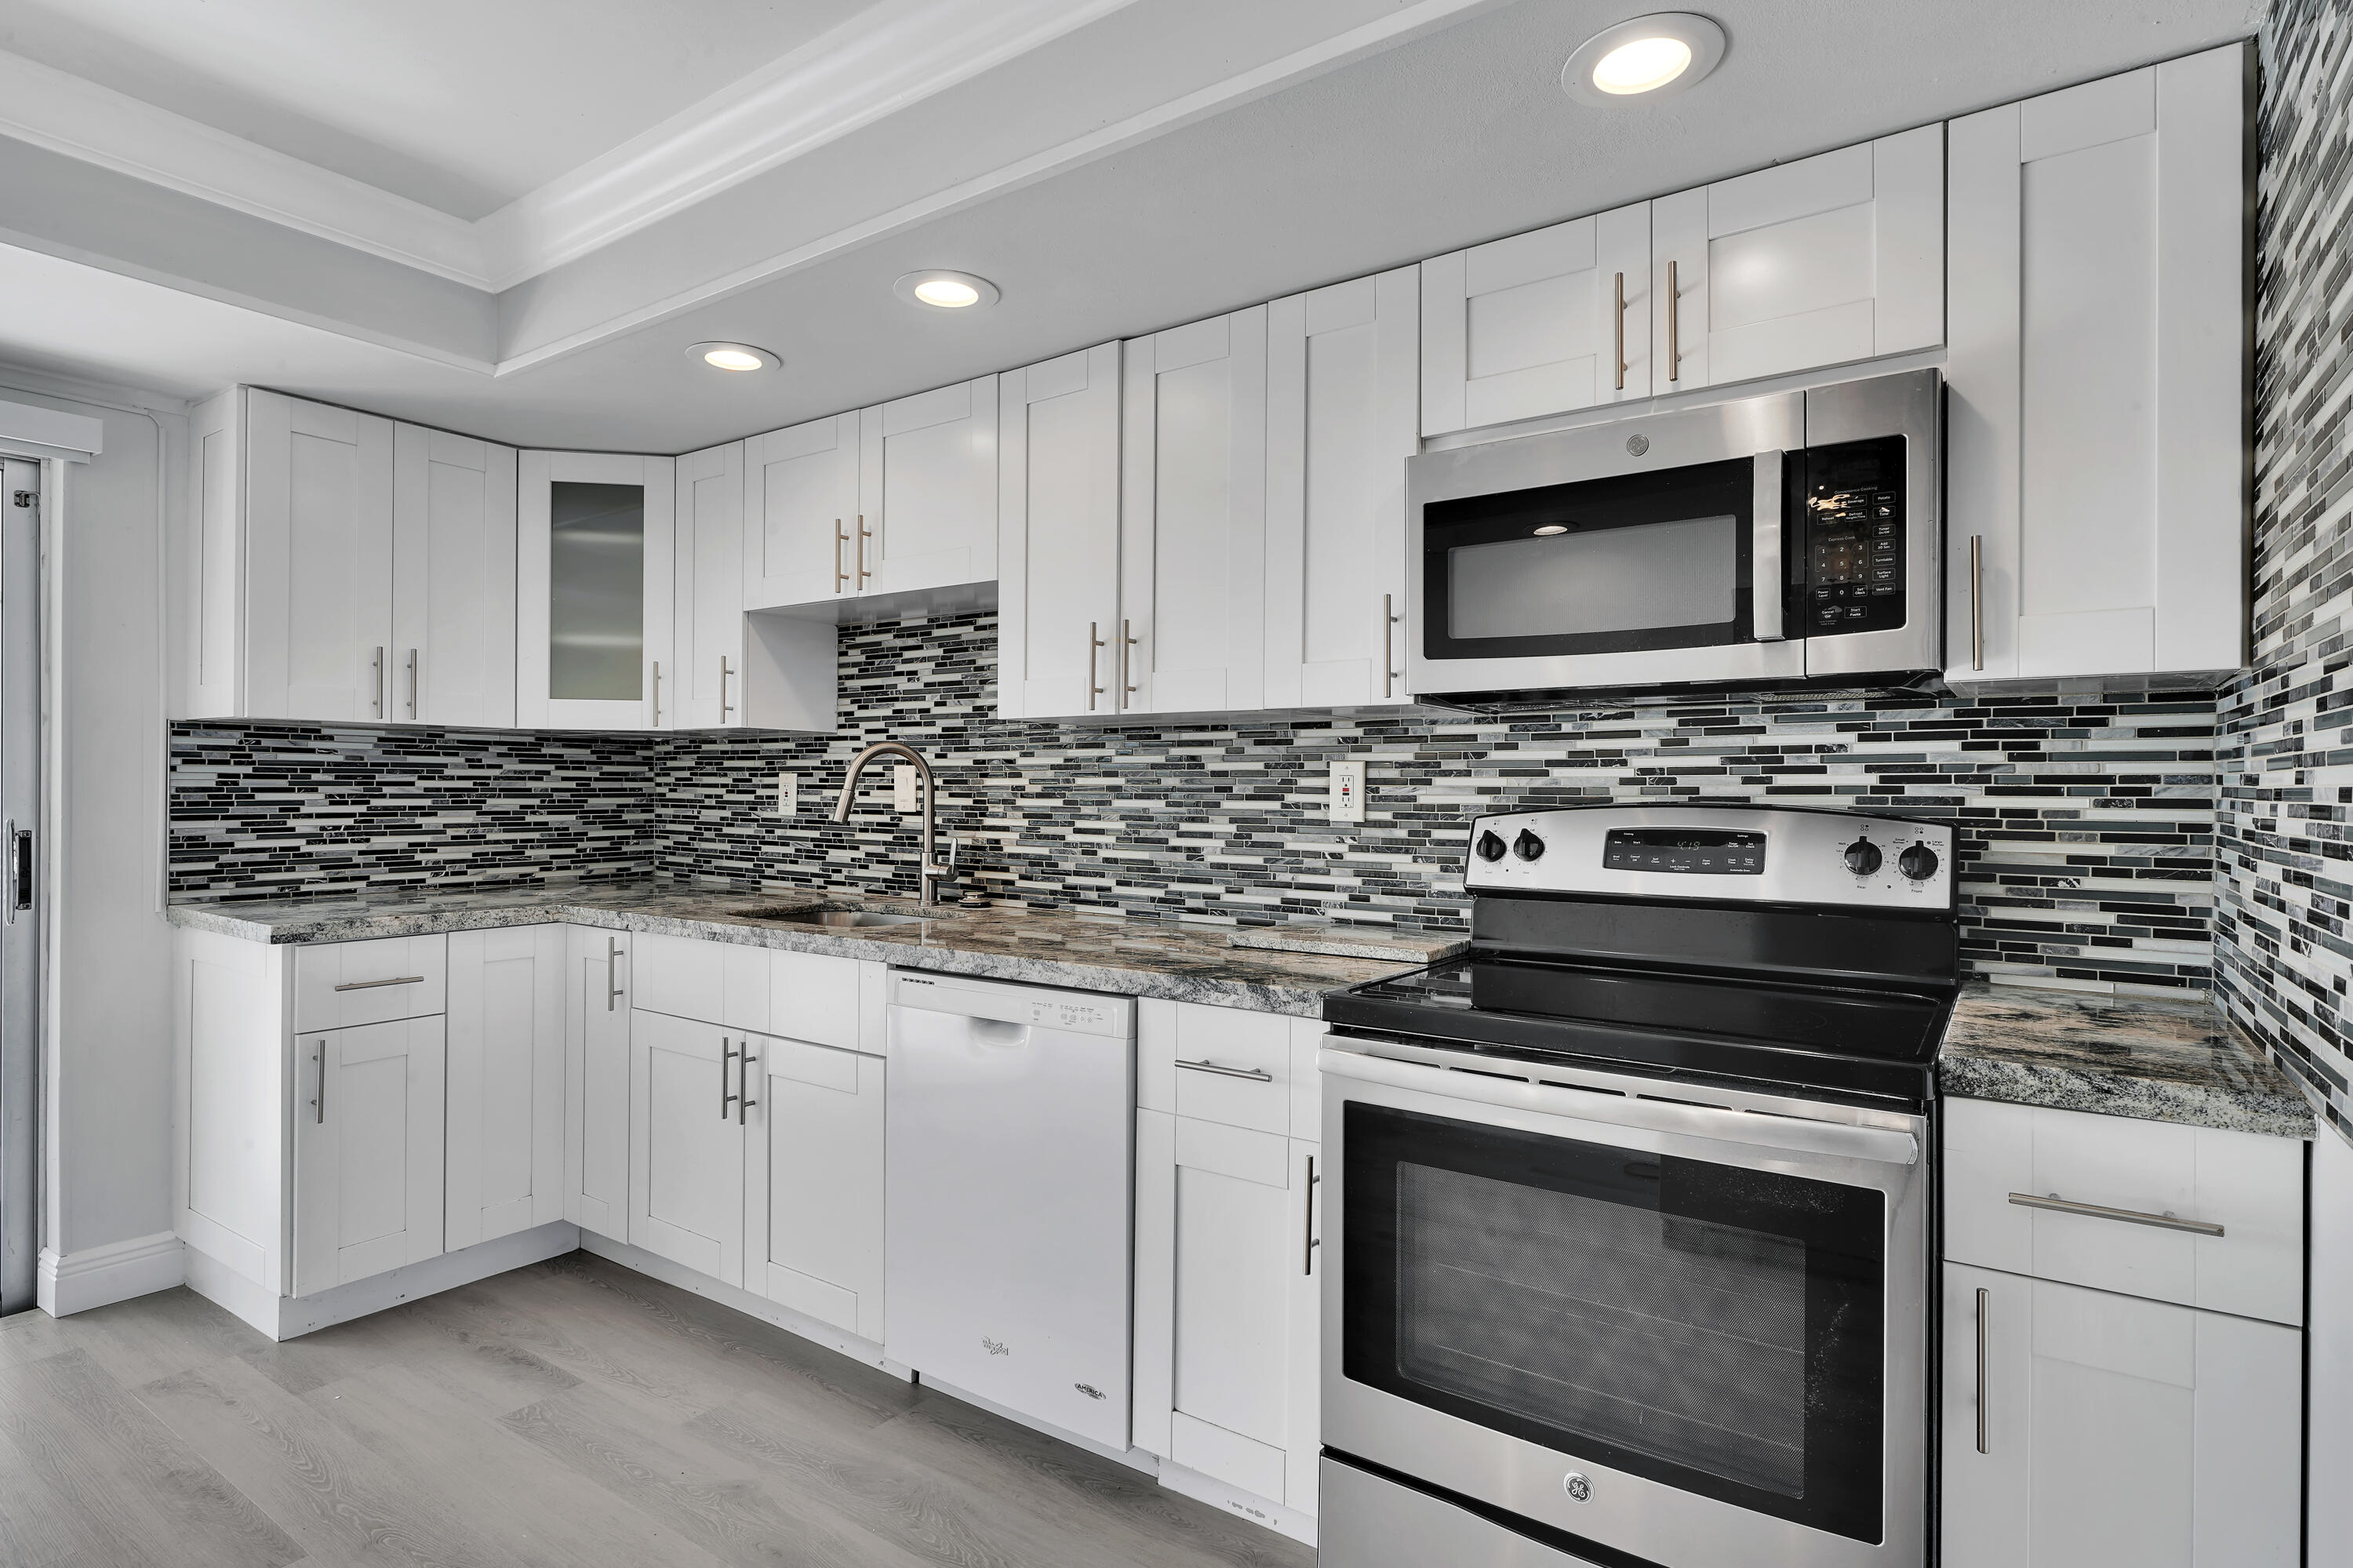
{"type": "Point", "coordinates": [903, 797]}
{"type": "Point", "coordinates": [787, 794]}
{"type": "Point", "coordinates": [1347, 791]}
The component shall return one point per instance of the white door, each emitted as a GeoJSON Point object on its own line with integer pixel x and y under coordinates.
{"type": "Point", "coordinates": [1342, 418]}
{"type": "Point", "coordinates": [598, 981]}
{"type": "Point", "coordinates": [1192, 604]}
{"type": "Point", "coordinates": [1538, 323]}
{"type": "Point", "coordinates": [813, 1184]}
{"type": "Point", "coordinates": [2116, 1433]}
{"type": "Point", "coordinates": [317, 561]}
{"type": "Point", "coordinates": [1058, 534]}
{"type": "Point", "coordinates": [2097, 405]}
{"type": "Point", "coordinates": [594, 562]}
{"type": "Point", "coordinates": [505, 1117]}
{"type": "Point", "coordinates": [1830, 258]}
{"type": "Point", "coordinates": [686, 1143]}
{"type": "Point", "coordinates": [367, 1151]}
{"type": "Point", "coordinates": [927, 490]}
{"type": "Point", "coordinates": [800, 513]}
{"type": "Point", "coordinates": [453, 580]}
{"type": "Point", "coordinates": [707, 685]}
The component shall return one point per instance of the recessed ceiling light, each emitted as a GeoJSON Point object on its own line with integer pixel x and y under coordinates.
{"type": "Point", "coordinates": [1648, 57]}
{"type": "Point", "coordinates": [737, 357]}
{"type": "Point", "coordinates": [946, 291]}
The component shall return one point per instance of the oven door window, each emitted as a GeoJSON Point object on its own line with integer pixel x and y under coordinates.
{"type": "Point", "coordinates": [1709, 1327]}
{"type": "Point", "coordinates": [1606, 566]}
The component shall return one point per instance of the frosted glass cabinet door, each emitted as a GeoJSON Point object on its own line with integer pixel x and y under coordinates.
{"type": "Point", "coordinates": [593, 604]}
{"type": "Point", "coordinates": [1058, 534]}
{"type": "Point", "coordinates": [317, 561]}
{"type": "Point", "coordinates": [927, 491]}
{"type": "Point", "coordinates": [367, 1150]}
{"type": "Point", "coordinates": [707, 683]}
{"type": "Point", "coordinates": [452, 660]}
{"type": "Point", "coordinates": [1192, 602]}
{"type": "Point", "coordinates": [800, 513]}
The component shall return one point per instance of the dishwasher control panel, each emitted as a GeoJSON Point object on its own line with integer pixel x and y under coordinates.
{"type": "Point", "coordinates": [1040, 1007]}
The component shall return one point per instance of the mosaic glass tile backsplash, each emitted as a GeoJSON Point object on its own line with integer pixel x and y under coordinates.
{"type": "Point", "coordinates": [2087, 822]}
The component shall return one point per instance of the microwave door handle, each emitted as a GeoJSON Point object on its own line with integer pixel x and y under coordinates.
{"type": "Point", "coordinates": [1765, 551]}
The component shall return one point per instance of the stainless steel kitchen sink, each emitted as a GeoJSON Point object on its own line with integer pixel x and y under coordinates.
{"type": "Point", "coordinates": [833, 916]}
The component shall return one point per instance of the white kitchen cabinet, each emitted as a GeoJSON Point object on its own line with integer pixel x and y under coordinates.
{"type": "Point", "coordinates": [1058, 539]}
{"type": "Point", "coordinates": [317, 608]}
{"type": "Point", "coordinates": [2084, 1429]}
{"type": "Point", "coordinates": [812, 1182]}
{"type": "Point", "coordinates": [506, 1051]}
{"type": "Point", "coordinates": [367, 1150]}
{"type": "Point", "coordinates": [686, 1143]}
{"type": "Point", "coordinates": [1191, 636]}
{"type": "Point", "coordinates": [928, 491]}
{"type": "Point", "coordinates": [452, 655]}
{"type": "Point", "coordinates": [1543, 323]}
{"type": "Point", "coordinates": [2097, 506]}
{"type": "Point", "coordinates": [1822, 261]}
{"type": "Point", "coordinates": [597, 980]}
{"type": "Point", "coordinates": [1343, 416]}
{"type": "Point", "coordinates": [734, 671]}
{"type": "Point", "coordinates": [800, 513]}
{"type": "Point", "coordinates": [595, 598]}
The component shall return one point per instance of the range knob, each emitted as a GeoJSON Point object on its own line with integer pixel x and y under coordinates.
{"type": "Point", "coordinates": [1863, 857]}
{"type": "Point", "coordinates": [1918, 862]}
{"type": "Point", "coordinates": [1491, 845]}
{"type": "Point", "coordinates": [1527, 846]}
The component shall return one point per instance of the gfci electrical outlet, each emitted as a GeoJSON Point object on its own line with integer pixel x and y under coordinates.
{"type": "Point", "coordinates": [1347, 791]}
{"type": "Point", "coordinates": [787, 794]}
{"type": "Point", "coordinates": [903, 788]}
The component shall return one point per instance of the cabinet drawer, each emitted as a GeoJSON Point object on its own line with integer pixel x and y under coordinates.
{"type": "Point", "coordinates": [1219, 1064]}
{"type": "Point", "coordinates": [340, 985]}
{"type": "Point", "coordinates": [724, 983]}
{"type": "Point", "coordinates": [2249, 1185]}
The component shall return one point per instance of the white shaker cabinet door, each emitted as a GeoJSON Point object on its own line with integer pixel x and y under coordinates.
{"type": "Point", "coordinates": [2083, 1429]}
{"type": "Point", "coordinates": [2098, 501]}
{"type": "Point", "coordinates": [800, 513]}
{"type": "Point", "coordinates": [367, 1151]}
{"type": "Point", "coordinates": [686, 1143]}
{"type": "Point", "coordinates": [927, 488]}
{"type": "Point", "coordinates": [707, 685]}
{"type": "Point", "coordinates": [598, 980]}
{"type": "Point", "coordinates": [1542, 322]}
{"type": "Point", "coordinates": [1192, 603]}
{"type": "Point", "coordinates": [453, 580]}
{"type": "Point", "coordinates": [318, 561]}
{"type": "Point", "coordinates": [596, 554]}
{"type": "Point", "coordinates": [1058, 534]}
{"type": "Point", "coordinates": [1342, 420]}
{"type": "Point", "coordinates": [505, 1119]}
{"type": "Point", "coordinates": [1825, 260]}
{"type": "Point", "coordinates": [813, 1181]}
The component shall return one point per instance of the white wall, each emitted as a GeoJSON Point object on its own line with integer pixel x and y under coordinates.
{"type": "Point", "coordinates": [107, 1060]}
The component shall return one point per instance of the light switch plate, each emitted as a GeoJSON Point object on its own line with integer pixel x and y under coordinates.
{"type": "Point", "coordinates": [787, 794]}
{"type": "Point", "coordinates": [903, 797]}
{"type": "Point", "coordinates": [1348, 791]}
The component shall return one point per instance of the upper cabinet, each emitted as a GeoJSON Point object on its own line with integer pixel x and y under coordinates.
{"type": "Point", "coordinates": [2098, 416]}
{"type": "Point", "coordinates": [594, 607]}
{"type": "Point", "coordinates": [897, 499]}
{"type": "Point", "coordinates": [318, 553]}
{"type": "Point", "coordinates": [1057, 539]}
{"type": "Point", "coordinates": [729, 670]}
{"type": "Point", "coordinates": [453, 579]}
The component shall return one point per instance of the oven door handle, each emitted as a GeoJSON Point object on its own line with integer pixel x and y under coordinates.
{"type": "Point", "coordinates": [1752, 1129]}
{"type": "Point", "coordinates": [1765, 564]}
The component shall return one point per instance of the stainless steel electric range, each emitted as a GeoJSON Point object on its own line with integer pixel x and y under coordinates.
{"type": "Point", "coordinates": [1631, 1203]}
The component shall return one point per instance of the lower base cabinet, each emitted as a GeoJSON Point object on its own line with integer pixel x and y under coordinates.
{"type": "Point", "coordinates": [505, 1120]}
{"type": "Point", "coordinates": [597, 966]}
{"type": "Point", "coordinates": [686, 1145]}
{"type": "Point", "coordinates": [2083, 1429]}
{"type": "Point", "coordinates": [813, 1177]}
{"type": "Point", "coordinates": [368, 1179]}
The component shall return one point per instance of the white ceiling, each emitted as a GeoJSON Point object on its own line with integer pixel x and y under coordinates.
{"type": "Point", "coordinates": [1158, 161]}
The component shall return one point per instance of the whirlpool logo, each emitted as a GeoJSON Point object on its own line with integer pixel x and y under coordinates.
{"type": "Point", "coordinates": [1089, 1389]}
{"type": "Point", "coordinates": [995, 1347]}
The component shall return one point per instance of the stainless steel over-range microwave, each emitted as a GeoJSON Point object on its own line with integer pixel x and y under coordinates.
{"type": "Point", "coordinates": [1762, 541]}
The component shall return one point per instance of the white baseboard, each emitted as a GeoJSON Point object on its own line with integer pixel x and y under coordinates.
{"type": "Point", "coordinates": [101, 1275]}
{"type": "Point", "coordinates": [655, 1267]}
{"type": "Point", "coordinates": [287, 1316]}
{"type": "Point", "coordinates": [1300, 1527]}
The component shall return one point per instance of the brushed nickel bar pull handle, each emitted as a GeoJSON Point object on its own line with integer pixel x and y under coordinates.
{"type": "Point", "coordinates": [726, 1055]}
{"type": "Point", "coordinates": [1390, 671]}
{"type": "Point", "coordinates": [744, 1100]}
{"type": "Point", "coordinates": [1256, 1075]}
{"type": "Point", "coordinates": [371, 985]}
{"type": "Point", "coordinates": [412, 683]}
{"type": "Point", "coordinates": [1126, 664]}
{"type": "Point", "coordinates": [318, 1105]}
{"type": "Point", "coordinates": [657, 693]}
{"type": "Point", "coordinates": [1674, 350]}
{"type": "Point", "coordinates": [724, 708]}
{"type": "Point", "coordinates": [20, 870]}
{"type": "Point", "coordinates": [379, 683]}
{"type": "Point", "coordinates": [2059, 1206]}
{"type": "Point", "coordinates": [1621, 332]}
{"type": "Point", "coordinates": [1094, 641]}
{"type": "Point", "coordinates": [1977, 601]}
{"type": "Point", "coordinates": [1307, 1253]}
{"type": "Point", "coordinates": [840, 578]}
{"type": "Point", "coordinates": [612, 971]}
{"type": "Point", "coordinates": [864, 534]}
{"type": "Point", "coordinates": [1982, 1369]}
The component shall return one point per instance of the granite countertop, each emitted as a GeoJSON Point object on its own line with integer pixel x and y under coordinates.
{"type": "Point", "coordinates": [2150, 1060]}
{"type": "Point", "coordinates": [1087, 952]}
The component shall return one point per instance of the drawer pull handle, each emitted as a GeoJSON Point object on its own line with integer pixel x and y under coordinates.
{"type": "Point", "coordinates": [1981, 1370]}
{"type": "Point", "coordinates": [1256, 1075]}
{"type": "Point", "coordinates": [2059, 1206]}
{"type": "Point", "coordinates": [371, 985]}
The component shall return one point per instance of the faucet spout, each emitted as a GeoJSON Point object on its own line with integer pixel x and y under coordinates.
{"type": "Point", "coordinates": [930, 875]}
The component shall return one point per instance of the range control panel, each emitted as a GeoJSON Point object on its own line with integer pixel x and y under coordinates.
{"type": "Point", "coordinates": [1753, 854]}
{"type": "Point", "coordinates": [1851, 507]}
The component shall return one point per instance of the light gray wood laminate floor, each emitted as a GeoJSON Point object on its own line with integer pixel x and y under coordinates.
{"type": "Point", "coordinates": [572, 1413]}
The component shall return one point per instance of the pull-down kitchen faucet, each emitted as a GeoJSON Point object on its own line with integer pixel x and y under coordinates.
{"type": "Point", "coordinates": [931, 875]}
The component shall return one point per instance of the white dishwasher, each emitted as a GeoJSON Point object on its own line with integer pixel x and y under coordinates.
{"type": "Point", "coordinates": [1011, 1115]}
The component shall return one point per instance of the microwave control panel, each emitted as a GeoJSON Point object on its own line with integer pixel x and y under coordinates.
{"type": "Point", "coordinates": [1851, 503]}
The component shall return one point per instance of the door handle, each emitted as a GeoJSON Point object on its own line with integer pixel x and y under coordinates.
{"type": "Point", "coordinates": [724, 708]}
{"type": "Point", "coordinates": [840, 578]}
{"type": "Point", "coordinates": [2059, 1206]}
{"type": "Point", "coordinates": [1982, 1369]}
{"type": "Point", "coordinates": [320, 1104]}
{"type": "Point", "coordinates": [1307, 1253]}
{"type": "Point", "coordinates": [1621, 330]}
{"type": "Point", "coordinates": [612, 971]}
{"type": "Point", "coordinates": [726, 1055]}
{"type": "Point", "coordinates": [1674, 349]}
{"type": "Point", "coordinates": [378, 679]}
{"type": "Point", "coordinates": [1977, 601]}
{"type": "Point", "coordinates": [1389, 620]}
{"type": "Point", "coordinates": [657, 663]}
{"type": "Point", "coordinates": [1094, 641]}
{"type": "Point", "coordinates": [412, 683]}
{"type": "Point", "coordinates": [1256, 1075]}
{"type": "Point", "coordinates": [1766, 618]}
{"type": "Point", "coordinates": [371, 985]}
{"type": "Point", "coordinates": [864, 534]}
{"type": "Point", "coordinates": [744, 1100]}
{"type": "Point", "coordinates": [20, 870]}
{"type": "Point", "coordinates": [1126, 642]}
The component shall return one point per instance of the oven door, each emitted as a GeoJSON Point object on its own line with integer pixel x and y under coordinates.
{"type": "Point", "coordinates": [1649, 551]}
{"type": "Point", "coordinates": [1690, 1332]}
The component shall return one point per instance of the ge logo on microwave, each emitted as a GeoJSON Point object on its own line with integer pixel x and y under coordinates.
{"type": "Point", "coordinates": [1578, 1489]}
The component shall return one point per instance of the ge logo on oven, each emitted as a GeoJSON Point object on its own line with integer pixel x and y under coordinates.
{"type": "Point", "coordinates": [1578, 1489]}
